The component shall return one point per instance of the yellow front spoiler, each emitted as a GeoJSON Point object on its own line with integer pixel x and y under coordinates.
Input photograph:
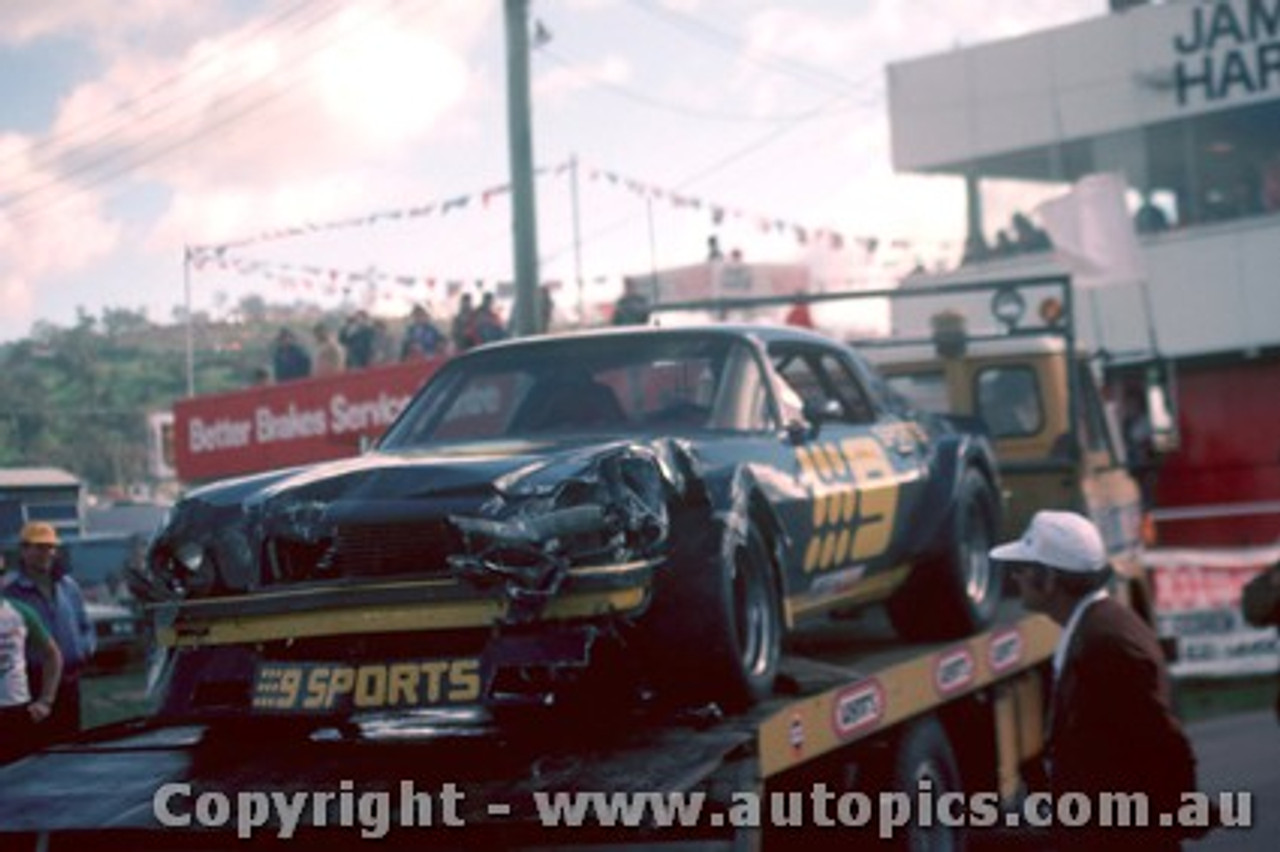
{"type": "Point", "coordinates": [418, 617]}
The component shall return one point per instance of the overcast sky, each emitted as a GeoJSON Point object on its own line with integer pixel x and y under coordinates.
{"type": "Point", "coordinates": [352, 152]}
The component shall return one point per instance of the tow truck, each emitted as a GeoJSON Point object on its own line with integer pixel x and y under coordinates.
{"type": "Point", "coordinates": [856, 713]}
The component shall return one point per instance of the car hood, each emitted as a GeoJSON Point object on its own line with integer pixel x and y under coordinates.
{"type": "Point", "coordinates": [398, 486]}
{"type": "Point", "coordinates": [447, 472]}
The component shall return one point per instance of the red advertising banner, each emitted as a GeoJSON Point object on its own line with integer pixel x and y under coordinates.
{"type": "Point", "coordinates": [1198, 605]}
{"type": "Point", "coordinates": [293, 423]}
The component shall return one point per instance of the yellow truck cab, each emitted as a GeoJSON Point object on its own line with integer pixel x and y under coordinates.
{"type": "Point", "coordinates": [1037, 394]}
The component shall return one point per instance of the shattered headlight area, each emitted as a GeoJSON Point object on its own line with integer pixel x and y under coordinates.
{"type": "Point", "coordinates": [203, 550]}
{"type": "Point", "coordinates": [614, 512]}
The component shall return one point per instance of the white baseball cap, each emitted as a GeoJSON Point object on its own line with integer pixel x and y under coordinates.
{"type": "Point", "coordinates": [1062, 540]}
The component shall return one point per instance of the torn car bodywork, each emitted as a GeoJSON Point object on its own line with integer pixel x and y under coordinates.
{"type": "Point", "coordinates": [613, 512]}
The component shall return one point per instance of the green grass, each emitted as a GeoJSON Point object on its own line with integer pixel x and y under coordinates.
{"type": "Point", "coordinates": [1207, 698]}
{"type": "Point", "coordinates": [113, 696]}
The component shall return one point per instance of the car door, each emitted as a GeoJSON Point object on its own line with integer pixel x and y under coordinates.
{"type": "Point", "coordinates": [861, 466]}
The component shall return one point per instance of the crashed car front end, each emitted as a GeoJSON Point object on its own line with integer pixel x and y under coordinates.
{"type": "Point", "coordinates": [358, 587]}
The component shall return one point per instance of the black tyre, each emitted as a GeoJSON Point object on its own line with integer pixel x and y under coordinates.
{"type": "Point", "coordinates": [924, 761]}
{"type": "Point", "coordinates": [958, 592]}
{"type": "Point", "coordinates": [916, 761]}
{"type": "Point", "coordinates": [714, 632]}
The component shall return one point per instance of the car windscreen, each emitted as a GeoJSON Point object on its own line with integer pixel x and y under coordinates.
{"type": "Point", "coordinates": [611, 384]}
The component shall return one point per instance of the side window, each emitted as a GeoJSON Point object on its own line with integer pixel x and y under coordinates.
{"type": "Point", "coordinates": [823, 380]}
{"type": "Point", "coordinates": [1009, 401]}
{"type": "Point", "coordinates": [800, 377]}
{"type": "Point", "coordinates": [925, 390]}
{"type": "Point", "coordinates": [848, 389]}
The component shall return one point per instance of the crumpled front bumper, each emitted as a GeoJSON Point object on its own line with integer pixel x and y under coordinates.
{"type": "Point", "coordinates": [413, 606]}
{"type": "Point", "coordinates": [389, 647]}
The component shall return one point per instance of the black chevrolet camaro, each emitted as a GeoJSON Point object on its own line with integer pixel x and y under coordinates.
{"type": "Point", "coordinates": [668, 502]}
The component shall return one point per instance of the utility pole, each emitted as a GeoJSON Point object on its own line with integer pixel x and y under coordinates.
{"type": "Point", "coordinates": [520, 146]}
{"type": "Point", "coordinates": [577, 243]}
{"type": "Point", "coordinates": [191, 348]}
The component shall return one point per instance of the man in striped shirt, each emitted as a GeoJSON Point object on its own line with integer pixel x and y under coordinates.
{"type": "Point", "coordinates": [18, 711]}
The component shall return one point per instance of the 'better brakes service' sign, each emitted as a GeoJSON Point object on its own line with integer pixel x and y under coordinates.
{"type": "Point", "coordinates": [291, 423]}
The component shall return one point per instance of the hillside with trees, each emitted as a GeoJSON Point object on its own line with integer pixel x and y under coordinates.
{"type": "Point", "coordinates": [79, 397]}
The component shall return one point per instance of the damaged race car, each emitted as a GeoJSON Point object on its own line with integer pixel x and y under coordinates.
{"type": "Point", "coordinates": [664, 502]}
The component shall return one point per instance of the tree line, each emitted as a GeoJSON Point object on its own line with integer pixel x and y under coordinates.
{"type": "Point", "coordinates": [78, 397]}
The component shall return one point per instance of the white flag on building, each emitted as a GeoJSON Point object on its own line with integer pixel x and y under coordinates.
{"type": "Point", "coordinates": [1093, 233]}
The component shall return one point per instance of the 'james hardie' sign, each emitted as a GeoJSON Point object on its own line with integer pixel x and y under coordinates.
{"type": "Point", "coordinates": [1228, 50]}
{"type": "Point", "coordinates": [291, 423]}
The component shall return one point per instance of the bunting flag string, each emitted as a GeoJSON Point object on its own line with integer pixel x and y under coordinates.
{"type": "Point", "coordinates": [442, 208]}
{"type": "Point", "coordinates": [376, 284]}
{"type": "Point", "coordinates": [803, 234]}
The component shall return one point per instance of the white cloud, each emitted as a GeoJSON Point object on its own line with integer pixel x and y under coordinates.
{"type": "Point", "coordinates": [72, 236]}
{"type": "Point", "coordinates": [247, 126]}
{"type": "Point", "coordinates": [329, 111]}
{"type": "Point", "coordinates": [561, 82]}
{"type": "Point", "coordinates": [386, 85]}
{"type": "Point", "coordinates": [23, 21]}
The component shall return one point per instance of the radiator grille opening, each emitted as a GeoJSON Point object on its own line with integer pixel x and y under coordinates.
{"type": "Point", "coordinates": [368, 550]}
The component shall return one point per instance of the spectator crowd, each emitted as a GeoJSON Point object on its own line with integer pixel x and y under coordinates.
{"type": "Point", "coordinates": [363, 341]}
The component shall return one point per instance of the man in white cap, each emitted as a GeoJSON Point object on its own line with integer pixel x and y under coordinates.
{"type": "Point", "coordinates": [1112, 728]}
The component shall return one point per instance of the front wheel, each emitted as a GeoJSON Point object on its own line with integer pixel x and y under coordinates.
{"type": "Point", "coordinates": [715, 627]}
{"type": "Point", "coordinates": [957, 593]}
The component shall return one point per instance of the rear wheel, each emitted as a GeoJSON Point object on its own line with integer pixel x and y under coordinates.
{"type": "Point", "coordinates": [958, 592]}
{"type": "Point", "coordinates": [923, 761]}
{"type": "Point", "coordinates": [917, 766]}
{"type": "Point", "coordinates": [715, 628]}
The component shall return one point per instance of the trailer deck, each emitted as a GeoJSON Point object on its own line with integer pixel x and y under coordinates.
{"type": "Point", "coordinates": [458, 778]}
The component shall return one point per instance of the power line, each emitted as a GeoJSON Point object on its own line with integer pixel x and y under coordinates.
{"type": "Point", "coordinates": [128, 126]}
{"type": "Point", "coordinates": [679, 109]}
{"type": "Point", "coordinates": [705, 32]}
{"type": "Point", "coordinates": [713, 168]}
{"type": "Point", "coordinates": [142, 155]}
{"type": "Point", "coordinates": [121, 116]}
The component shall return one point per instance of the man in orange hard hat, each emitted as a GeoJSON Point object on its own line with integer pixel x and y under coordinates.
{"type": "Point", "coordinates": [44, 586]}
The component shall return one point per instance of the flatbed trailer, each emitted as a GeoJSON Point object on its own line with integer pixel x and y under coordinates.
{"type": "Point", "coordinates": [856, 713]}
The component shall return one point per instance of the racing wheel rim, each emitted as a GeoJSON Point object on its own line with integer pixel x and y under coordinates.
{"type": "Point", "coordinates": [755, 624]}
{"type": "Point", "coordinates": [977, 561]}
